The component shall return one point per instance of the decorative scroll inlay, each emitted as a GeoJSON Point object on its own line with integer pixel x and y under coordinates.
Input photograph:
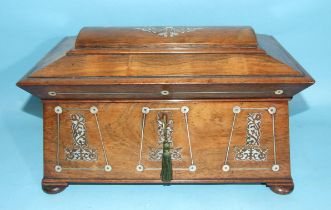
{"type": "Point", "coordinates": [169, 31]}
{"type": "Point", "coordinates": [80, 150]}
{"type": "Point", "coordinates": [160, 130]}
{"type": "Point", "coordinates": [155, 154]}
{"type": "Point", "coordinates": [252, 150]}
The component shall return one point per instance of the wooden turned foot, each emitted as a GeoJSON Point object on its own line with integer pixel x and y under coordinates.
{"type": "Point", "coordinates": [281, 188]}
{"type": "Point", "coordinates": [54, 188]}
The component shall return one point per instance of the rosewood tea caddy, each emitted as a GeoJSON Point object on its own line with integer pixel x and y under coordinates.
{"type": "Point", "coordinates": [166, 105]}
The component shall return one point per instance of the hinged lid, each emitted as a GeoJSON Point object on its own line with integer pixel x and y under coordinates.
{"type": "Point", "coordinates": [167, 63]}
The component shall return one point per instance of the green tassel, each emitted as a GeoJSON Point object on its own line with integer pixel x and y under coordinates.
{"type": "Point", "coordinates": [166, 172]}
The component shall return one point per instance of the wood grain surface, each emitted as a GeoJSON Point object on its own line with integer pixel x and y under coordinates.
{"type": "Point", "coordinates": [209, 124]}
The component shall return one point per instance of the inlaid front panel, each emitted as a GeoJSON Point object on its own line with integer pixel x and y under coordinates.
{"type": "Point", "coordinates": [208, 140]}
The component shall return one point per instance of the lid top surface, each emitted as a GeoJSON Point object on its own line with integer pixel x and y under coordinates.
{"type": "Point", "coordinates": [179, 36]}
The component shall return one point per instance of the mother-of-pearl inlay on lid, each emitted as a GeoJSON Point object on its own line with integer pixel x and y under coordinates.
{"type": "Point", "coordinates": [165, 36]}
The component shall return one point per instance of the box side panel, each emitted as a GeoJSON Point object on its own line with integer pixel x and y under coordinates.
{"type": "Point", "coordinates": [81, 143]}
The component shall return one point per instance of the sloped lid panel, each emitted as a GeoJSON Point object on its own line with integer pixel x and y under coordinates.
{"type": "Point", "coordinates": [165, 65]}
{"type": "Point", "coordinates": [95, 56]}
{"type": "Point", "coordinates": [185, 62]}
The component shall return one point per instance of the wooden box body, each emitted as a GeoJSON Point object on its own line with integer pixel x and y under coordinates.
{"type": "Point", "coordinates": [224, 90]}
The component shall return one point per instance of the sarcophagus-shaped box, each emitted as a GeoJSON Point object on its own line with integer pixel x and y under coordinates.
{"type": "Point", "coordinates": [167, 105]}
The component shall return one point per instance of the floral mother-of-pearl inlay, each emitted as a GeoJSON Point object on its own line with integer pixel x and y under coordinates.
{"type": "Point", "coordinates": [168, 31]}
{"type": "Point", "coordinates": [155, 154]}
{"type": "Point", "coordinates": [252, 151]}
{"type": "Point", "coordinates": [80, 150]}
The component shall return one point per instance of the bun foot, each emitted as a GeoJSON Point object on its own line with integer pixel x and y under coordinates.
{"type": "Point", "coordinates": [54, 188]}
{"type": "Point", "coordinates": [281, 188]}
